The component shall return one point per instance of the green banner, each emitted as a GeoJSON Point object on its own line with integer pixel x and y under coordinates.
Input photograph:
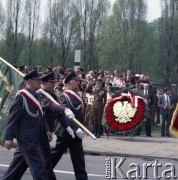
{"type": "Point", "coordinates": [10, 82]}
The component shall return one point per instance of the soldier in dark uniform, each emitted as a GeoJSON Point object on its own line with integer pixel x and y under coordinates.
{"type": "Point", "coordinates": [51, 112]}
{"type": "Point", "coordinates": [71, 100]}
{"type": "Point", "coordinates": [27, 123]}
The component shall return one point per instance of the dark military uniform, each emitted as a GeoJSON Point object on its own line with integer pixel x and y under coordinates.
{"type": "Point", "coordinates": [53, 112]}
{"type": "Point", "coordinates": [65, 141]}
{"type": "Point", "coordinates": [29, 128]}
{"type": "Point", "coordinates": [30, 131]}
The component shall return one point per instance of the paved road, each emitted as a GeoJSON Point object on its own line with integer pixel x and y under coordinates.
{"type": "Point", "coordinates": [146, 168]}
{"type": "Point", "coordinates": [95, 166]}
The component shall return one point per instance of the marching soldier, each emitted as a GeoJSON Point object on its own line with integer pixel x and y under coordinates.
{"type": "Point", "coordinates": [26, 121]}
{"type": "Point", "coordinates": [51, 112]}
{"type": "Point", "coordinates": [71, 100]}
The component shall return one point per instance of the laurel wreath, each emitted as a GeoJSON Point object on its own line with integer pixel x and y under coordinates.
{"type": "Point", "coordinates": [121, 115]}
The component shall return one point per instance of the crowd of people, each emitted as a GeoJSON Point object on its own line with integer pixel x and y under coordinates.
{"type": "Point", "coordinates": [96, 91]}
{"type": "Point", "coordinates": [34, 117]}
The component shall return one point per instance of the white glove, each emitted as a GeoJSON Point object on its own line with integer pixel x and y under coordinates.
{"type": "Point", "coordinates": [80, 133]}
{"type": "Point", "coordinates": [70, 131]}
{"type": "Point", "coordinates": [69, 113]}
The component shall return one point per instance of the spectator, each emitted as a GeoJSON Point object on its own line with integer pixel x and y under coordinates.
{"type": "Point", "coordinates": [167, 105]}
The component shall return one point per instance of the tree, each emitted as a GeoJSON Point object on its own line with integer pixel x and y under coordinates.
{"type": "Point", "coordinates": [64, 23]}
{"type": "Point", "coordinates": [14, 24]}
{"type": "Point", "coordinates": [32, 20]}
{"type": "Point", "coordinates": [123, 34]}
{"type": "Point", "coordinates": [1, 20]}
{"type": "Point", "coordinates": [91, 13]}
{"type": "Point", "coordinates": [166, 34]}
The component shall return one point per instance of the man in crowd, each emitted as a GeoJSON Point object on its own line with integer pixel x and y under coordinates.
{"type": "Point", "coordinates": [71, 100]}
{"type": "Point", "coordinates": [147, 94]}
{"type": "Point", "coordinates": [166, 104]}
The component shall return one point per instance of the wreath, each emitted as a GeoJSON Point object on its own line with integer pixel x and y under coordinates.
{"type": "Point", "coordinates": [125, 112]}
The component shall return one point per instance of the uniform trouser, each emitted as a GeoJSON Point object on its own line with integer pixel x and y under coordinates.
{"type": "Point", "coordinates": [166, 120]}
{"type": "Point", "coordinates": [158, 115]}
{"type": "Point", "coordinates": [36, 158]}
{"type": "Point", "coordinates": [97, 115]}
{"type": "Point", "coordinates": [76, 154]}
{"type": "Point", "coordinates": [148, 126]}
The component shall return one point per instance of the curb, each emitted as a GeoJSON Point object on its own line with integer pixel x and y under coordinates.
{"type": "Point", "coordinates": [95, 153]}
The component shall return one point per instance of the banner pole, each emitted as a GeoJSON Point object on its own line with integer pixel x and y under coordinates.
{"type": "Point", "coordinates": [48, 95]}
{"type": "Point", "coordinates": [12, 67]}
{"type": "Point", "coordinates": [74, 119]}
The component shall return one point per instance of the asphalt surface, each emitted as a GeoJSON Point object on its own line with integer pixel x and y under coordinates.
{"type": "Point", "coordinates": [127, 146]}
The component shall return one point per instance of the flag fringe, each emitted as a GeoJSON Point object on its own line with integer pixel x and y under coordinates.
{"type": "Point", "coordinates": [173, 130]}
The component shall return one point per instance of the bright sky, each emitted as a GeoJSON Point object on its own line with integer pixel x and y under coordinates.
{"type": "Point", "coordinates": [153, 11]}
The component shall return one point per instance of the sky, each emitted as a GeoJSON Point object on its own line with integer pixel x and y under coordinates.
{"type": "Point", "coordinates": [153, 11]}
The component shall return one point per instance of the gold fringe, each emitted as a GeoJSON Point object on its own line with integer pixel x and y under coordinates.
{"type": "Point", "coordinates": [172, 130]}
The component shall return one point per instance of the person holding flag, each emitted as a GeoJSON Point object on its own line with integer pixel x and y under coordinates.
{"type": "Point", "coordinates": [26, 121]}
{"type": "Point", "coordinates": [71, 100]}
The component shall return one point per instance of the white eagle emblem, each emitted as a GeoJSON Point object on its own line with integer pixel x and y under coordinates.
{"type": "Point", "coordinates": [124, 111]}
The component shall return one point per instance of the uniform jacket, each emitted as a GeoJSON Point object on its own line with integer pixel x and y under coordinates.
{"type": "Point", "coordinates": [52, 111]}
{"type": "Point", "coordinates": [100, 98]}
{"type": "Point", "coordinates": [25, 122]}
{"type": "Point", "coordinates": [76, 107]}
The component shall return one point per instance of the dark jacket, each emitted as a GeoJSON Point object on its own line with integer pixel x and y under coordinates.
{"type": "Point", "coordinates": [26, 128]}
{"type": "Point", "coordinates": [52, 111]}
{"type": "Point", "coordinates": [77, 108]}
{"type": "Point", "coordinates": [162, 102]}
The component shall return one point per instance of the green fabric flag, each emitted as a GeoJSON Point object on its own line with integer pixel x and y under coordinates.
{"type": "Point", "coordinates": [11, 81]}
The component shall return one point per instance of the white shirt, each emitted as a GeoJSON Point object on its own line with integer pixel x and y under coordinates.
{"type": "Point", "coordinates": [167, 100]}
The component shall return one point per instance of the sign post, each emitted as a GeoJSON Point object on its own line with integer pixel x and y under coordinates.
{"type": "Point", "coordinates": [77, 59]}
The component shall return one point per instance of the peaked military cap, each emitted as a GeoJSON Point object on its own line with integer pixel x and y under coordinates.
{"type": "Point", "coordinates": [49, 77]}
{"type": "Point", "coordinates": [32, 75]}
{"type": "Point", "coordinates": [21, 68]}
{"type": "Point", "coordinates": [70, 77]}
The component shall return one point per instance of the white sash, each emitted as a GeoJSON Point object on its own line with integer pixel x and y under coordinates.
{"type": "Point", "coordinates": [74, 94]}
{"type": "Point", "coordinates": [32, 98]}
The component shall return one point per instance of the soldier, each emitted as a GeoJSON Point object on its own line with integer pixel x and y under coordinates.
{"type": "Point", "coordinates": [27, 123]}
{"type": "Point", "coordinates": [98, 104]}
{"type": "Point", "coordinates": [71, 100]}
{"type": "Point", "coordinates": [51, 112]}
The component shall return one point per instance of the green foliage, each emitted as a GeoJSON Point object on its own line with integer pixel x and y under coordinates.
{"type": "Point", "coordinates": [122, 39]}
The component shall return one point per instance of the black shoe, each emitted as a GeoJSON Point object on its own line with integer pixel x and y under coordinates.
{"type": "Point", "coordinates": [98, 135]}
{"type": "Point", "coordinates": [149, 135]}
{"type": "Point", "coordinates": [162, 135]}
{"type": "Point", "coordinates": [167, 135]}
